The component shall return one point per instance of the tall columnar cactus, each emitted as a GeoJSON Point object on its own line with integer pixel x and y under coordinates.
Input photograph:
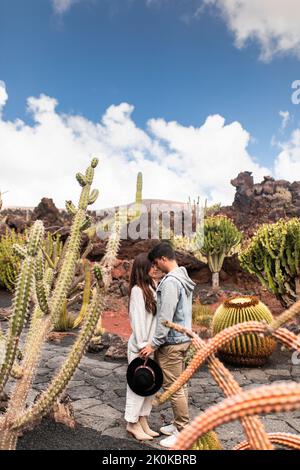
{"type": "Point", "coordinates": [273, 255]}
{"type": "Point", "coordinates": [250, 350]}
{"type": "Point", "coordinates": [21, 300]}
{"type": "Point", "coordinates": [138, 196]}
{"type": "Point", "coordinates": [38, 272]}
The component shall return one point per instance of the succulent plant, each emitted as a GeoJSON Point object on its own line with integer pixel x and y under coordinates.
{"type": "Point", "coordinates": [202, 314]}
{"type": "Point", "coordinates": [239, 405]}
{"type": "Point", "coordinates": [47, 281]}
{"type": "Point", "coordinates": [10, 262]}
{"type": "Point", "coordinates": [219, 239]}
{"type": "Point", "coordinates": [208, 441]}
{"type": "Point", "coordinates": [250, 350]}
{"type": "Point", "coordinates": [273, 255]}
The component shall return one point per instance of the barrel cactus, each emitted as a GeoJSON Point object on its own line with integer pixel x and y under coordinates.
{"type": "Point", "coordinates": [248, 349]}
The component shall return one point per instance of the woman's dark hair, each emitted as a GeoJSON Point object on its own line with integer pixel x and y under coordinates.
{"type": "Point", "coordinates": [160, 250]}
{"type": "Point", "coordinates": [140, 277]}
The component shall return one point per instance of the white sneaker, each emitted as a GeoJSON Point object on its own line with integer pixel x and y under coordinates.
{"type": "Point", "coordinates": [168, 430]}
{"type": "Point", "coordinates": [169, 441]}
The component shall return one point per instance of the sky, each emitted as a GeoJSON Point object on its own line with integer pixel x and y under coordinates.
{"type": "Point", "coordinates": [190, 92]}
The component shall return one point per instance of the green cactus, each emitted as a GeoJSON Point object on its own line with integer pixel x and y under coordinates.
{"type": "Point", "coordinates": [208, 441]}
{"type": "Point", "coordinates": [138, 196]}
{"type": "Point", "coordinates": [12, 252]}
{"type": "Point", "coordinates": [219, 239]}
{"type": "Point", "coordinates": [273, 255]}
{"type": "Point", "coordinates": [10, 261]}
{"type": "Point", "coordinates": [86, 295]}
{"type": "Point", "coordinates": [37, 271]}
{"type": "Point", "coordinates": [24, 286]}
{"type": "Point", "coordinates": [248, 349]}
{"type": "Point", "coordinates": [202, 314]}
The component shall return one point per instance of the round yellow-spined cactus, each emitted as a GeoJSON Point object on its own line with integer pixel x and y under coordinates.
{"type": "Point", "coordinates": [248, 349]}
{"type": "Point", "coordinates": [208, 441]}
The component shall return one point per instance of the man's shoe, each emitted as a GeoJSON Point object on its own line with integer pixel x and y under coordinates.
{"type": "Point", "coordinates": [168, 430]}
{"type": "Point", "coordinates": [169, 441]}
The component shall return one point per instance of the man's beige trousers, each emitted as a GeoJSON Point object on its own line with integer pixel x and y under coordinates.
{"type": "Point", "coordinates": [171, 360]}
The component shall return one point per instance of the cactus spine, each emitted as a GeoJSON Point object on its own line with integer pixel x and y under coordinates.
{"type": "Point", "coordinates": [247, 349]}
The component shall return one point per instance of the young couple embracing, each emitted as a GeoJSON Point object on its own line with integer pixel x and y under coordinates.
{"type": "Point", "coordinates": [151, 303]}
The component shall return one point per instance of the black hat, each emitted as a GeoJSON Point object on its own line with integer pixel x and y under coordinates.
{"type": "Point", "coordinates": [144, 376]}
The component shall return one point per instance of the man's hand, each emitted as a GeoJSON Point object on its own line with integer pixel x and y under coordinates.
{"type": "Point", "coordinates": [146, 351]}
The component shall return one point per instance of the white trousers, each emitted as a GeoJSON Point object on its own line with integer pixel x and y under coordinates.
{"type": "Point", "coordinates": [136, 405]}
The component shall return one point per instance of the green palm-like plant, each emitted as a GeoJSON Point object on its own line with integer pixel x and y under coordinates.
{"type": "Point", "coordinates": [218, 239]}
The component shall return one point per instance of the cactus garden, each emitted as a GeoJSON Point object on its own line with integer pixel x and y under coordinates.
{"type": "Point", "coordinates": [149, 229]}
{"type": "Point", "coordinates": [65, 312]}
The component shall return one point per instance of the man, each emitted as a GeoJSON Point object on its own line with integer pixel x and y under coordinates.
{"type": "Point", "coordinates": [174, 303]}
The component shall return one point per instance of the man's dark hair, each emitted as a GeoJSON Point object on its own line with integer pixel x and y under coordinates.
{"type": "Point", "coordinates": [160, 250]}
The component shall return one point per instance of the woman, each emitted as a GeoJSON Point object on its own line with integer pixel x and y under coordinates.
{"type": "Point", "coordinates": [142, 314]}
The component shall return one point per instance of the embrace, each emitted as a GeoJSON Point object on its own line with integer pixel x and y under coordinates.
{"type": "Point", "coordinates": [151, 303]}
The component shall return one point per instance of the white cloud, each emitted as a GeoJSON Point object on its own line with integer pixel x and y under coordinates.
{"type": "Point", "coordinates": [285, 115]}
{"type": "Point", "coordinates": [274, 24]}
{"type": "Point", "coordinates": [61, 6]}
{"type": "Point", "coordinates": [3, 95]}
{"type": "Point", "coordinates": [177, 162]}
{"type": "Point", "coordinates": [287, 163]}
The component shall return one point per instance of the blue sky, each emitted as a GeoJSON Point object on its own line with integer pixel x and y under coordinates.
{"type": "Point", "coordinates": [160, 56]}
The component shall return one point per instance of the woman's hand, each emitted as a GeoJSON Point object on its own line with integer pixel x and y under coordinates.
{"type": "Point", "coordinates": [146, 351]}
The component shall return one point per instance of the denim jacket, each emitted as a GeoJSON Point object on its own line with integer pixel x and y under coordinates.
{"type": "Point", "coordinates": [174, 303]}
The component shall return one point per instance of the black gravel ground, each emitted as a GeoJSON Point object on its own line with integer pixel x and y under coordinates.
{"type": "Point", "coordinates": [54, 436]}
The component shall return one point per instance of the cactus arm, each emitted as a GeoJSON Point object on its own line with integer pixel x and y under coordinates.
{"type": "Point", "coordinates": [265, 399]}
{"type": "Point", "coordinates": [21, 301]}
{"type": "Point", "coordinates": [65, 277]}
{"type": "Point", "coordinates": [253, 427]}
{"type": "Point", "coordinates": [60, 381]}
{"type": "Point", "coordinates": [86, 295]}
{"type": "Point", "coordinates": [40, 287]}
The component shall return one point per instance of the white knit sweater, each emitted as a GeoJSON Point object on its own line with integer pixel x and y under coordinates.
{"type": "Point", "coordinates": [142, 322]}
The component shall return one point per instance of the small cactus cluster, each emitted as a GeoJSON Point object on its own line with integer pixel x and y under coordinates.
{"type": "Point", "coordinates": [208, 441]}
{"type": "Point", "coordinates": [273, 255]}
{"type": "Point", "coordinates": [240, 404]}
{"type": "Point", "coordinates": [10, 262]}
{"type": "Point", "coordinates": [247, 350]}
{"type": "Point", "coordinates": [46, 280]}
{"type": "Point", "coordinates": [202, 315]}
{"type": "Point", "coordinates": [12, 251]}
